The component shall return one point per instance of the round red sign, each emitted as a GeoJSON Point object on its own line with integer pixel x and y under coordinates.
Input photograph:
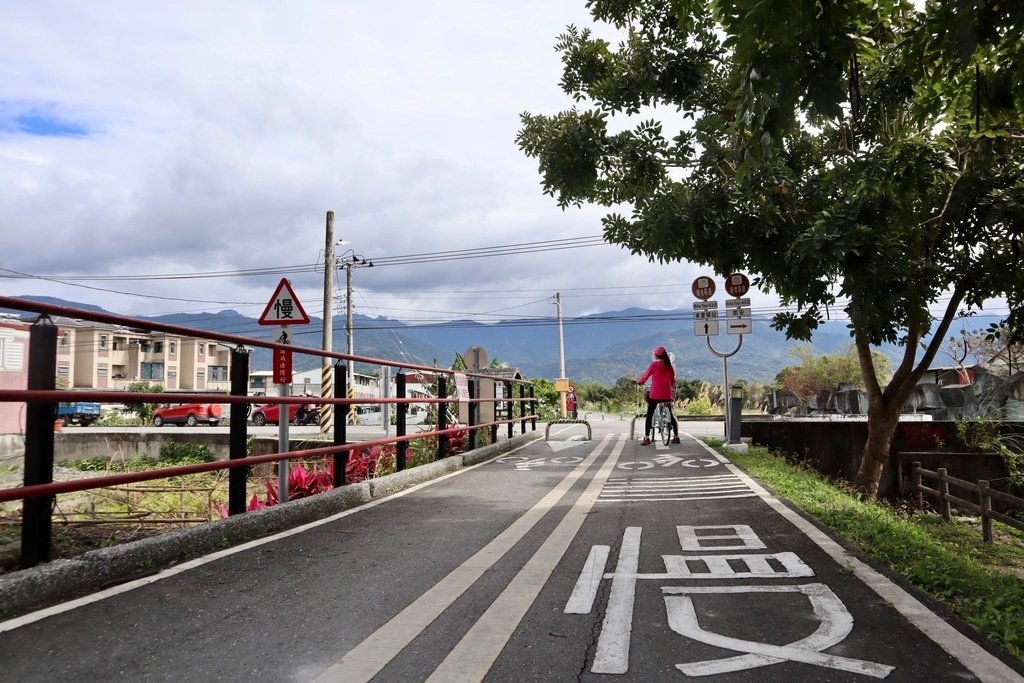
{"type": "Point", "coordinates": [703, 288]}
{"type": "Point", "coordinates": [737, 284]}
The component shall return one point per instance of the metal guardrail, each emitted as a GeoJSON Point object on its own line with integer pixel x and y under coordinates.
{"type": "Point", "coordinates": [985, 495]}
{"type": "Point", "coordinates": [569, 421]}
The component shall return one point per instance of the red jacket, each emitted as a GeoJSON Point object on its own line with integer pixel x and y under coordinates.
{"type": "Point", "coordinates": [663, 380]}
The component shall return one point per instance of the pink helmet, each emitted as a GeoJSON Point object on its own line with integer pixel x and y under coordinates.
{"type": "Point", "coordinates": [660, 351]}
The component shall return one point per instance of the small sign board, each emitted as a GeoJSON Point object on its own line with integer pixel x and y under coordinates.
{"type": "Point", "coordinates": [705, 328]}
{"type": "Point", "coordinates": [282, 366]}
{"type": "Point", "coordinates": [461, 386]}
{"type": "Point", "coordinates": [736, 303]}
{"type": "Point", "coordinates": [739, 312]}
{"type": "Point", "coordinates": [704, 305]}
{"type": "Point", "coordinates": [737, 284]}
{"type": "Point", "coordinates": [705, 315]}
{"type": "Point", "coordinates": [284, 307]}
{"type": "Point", "coordinates": [741, 326]}
{"type": "Point", "coordinates": [562, 384]}
{"type": "Point", "coordinates": [703, 288]}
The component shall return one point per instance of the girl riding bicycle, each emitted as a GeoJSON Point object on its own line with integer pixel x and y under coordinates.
{"type": "Point", "coordinates": [663, 380]}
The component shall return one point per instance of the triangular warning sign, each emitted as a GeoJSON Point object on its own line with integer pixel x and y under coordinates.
{"type": "Point", "coordinates": [284, 307]}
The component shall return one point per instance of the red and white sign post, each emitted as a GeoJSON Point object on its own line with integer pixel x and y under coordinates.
{"type": "Point", "coordinates": [283, 309]}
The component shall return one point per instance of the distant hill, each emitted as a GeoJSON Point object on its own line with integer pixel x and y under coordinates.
{"type": "Point", "coordinates": [600, 348]}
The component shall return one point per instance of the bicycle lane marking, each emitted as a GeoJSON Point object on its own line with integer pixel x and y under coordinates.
{"type": "Point", "coordinates": [473, 656]}
{"type": "Point", "coordinates": [972, 656]}
{"type": "Point", "coordinates": [370, 656]}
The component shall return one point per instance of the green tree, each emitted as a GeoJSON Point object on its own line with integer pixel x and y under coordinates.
{"type": "Point", "coordinates": [854, 156]}
{"type": "Point", "coordinates": [819, 372]}
{"type": "Point", "coordinates": [143, 410]}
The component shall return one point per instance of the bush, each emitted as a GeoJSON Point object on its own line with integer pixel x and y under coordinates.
{"type": "Point", "coordinates": [173, 453]}
{"type": "Point", "coordinates": [698, 406]}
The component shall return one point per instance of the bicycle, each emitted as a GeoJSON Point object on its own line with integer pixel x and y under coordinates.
{"type": "Point", "coordinates": [662, 421]}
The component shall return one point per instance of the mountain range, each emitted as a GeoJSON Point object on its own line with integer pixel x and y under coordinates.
{"type": "Point", "coordinates": [597, 348]}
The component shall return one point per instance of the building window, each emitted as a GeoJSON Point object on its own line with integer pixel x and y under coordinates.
{"type": "Point", "coordinates": [258, 383]}
{"type": "Point", "coordinates": [158, 347]}
{"type": "Point", "coordinates": [219, 373]}
{"type": "Point", "coordinates": [103, 342]}
{"type": "Point", "coordinates": [102, 372]}
{"type": "Point", "coordinates": [172, 373]}
{"type": "Point", "coordinates": [200, 374]}
{"type": "Point", "coordinates": [173, 347]}
{"type": "Point", "coordinates": [65, 338]}
{"type": "Point", "coordinates": [202, 350]}
{"type": "Point", "coordinates": [151, 371]}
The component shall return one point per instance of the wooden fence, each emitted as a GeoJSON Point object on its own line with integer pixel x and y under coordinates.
{"type": "Point", "coordinates": [985, 495]}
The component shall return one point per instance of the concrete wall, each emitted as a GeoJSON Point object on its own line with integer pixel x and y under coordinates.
{"type": "Point", "coordinates": [833, 447]}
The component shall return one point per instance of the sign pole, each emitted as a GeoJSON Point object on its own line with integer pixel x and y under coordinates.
{"type": "Point", "coordinates": [283, 413]}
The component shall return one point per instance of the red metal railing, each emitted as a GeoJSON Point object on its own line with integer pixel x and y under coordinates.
{"type": "Point", "coordinates": [41, 397]}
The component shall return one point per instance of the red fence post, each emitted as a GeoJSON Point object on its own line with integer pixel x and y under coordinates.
{"type": "Point", "coordinates": [238, 436]}
{"type": "Point", "coordinates": [36, 529]}
{"type": "Point", "coordinates": [401, 447]}
{"type": "Point", "coordinates": [340, 423]}
{"type": "Point", "coordinates": [442, 417]}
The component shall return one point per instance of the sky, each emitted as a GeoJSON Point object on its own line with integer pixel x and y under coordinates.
{"type": "Point", "coordinates": [172, 140]}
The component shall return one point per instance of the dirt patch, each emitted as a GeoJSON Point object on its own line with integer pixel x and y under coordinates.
{"type": "Point", "coordinates": [72, 540]}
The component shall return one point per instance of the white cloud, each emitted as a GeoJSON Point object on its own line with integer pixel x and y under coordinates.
{"type": "Point", "coordinates": [221, 133]}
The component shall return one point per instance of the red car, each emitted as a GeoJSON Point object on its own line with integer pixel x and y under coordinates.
{"type": "Point", "coordinates": [299, 414]}
{"type": "Point", "coordinates": [189, 414]}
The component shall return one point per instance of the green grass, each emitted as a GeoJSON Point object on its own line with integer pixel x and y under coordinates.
{"type": "Point", "coordinates": [979, 582]}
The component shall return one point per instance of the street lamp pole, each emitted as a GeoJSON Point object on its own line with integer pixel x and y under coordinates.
{"type": "Point", "coordinates": [561, 359]}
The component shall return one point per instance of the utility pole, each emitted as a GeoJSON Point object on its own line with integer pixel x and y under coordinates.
{"type": "Point", "coordinates": [327, 366]}
{"type": "Point", "coordinates": [349, 261]}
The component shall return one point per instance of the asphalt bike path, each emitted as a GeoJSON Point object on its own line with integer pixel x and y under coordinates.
{"type": "Point", "coordinates": [563, 560]}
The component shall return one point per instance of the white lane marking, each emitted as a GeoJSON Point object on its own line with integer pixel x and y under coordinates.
{"type": "Point", "coordinates": [366, 659]}
{"type": "Point", "coordinates": [31, 617]}
{"type": "Point", "coordinates": [474, 655]}
{"type": "Point", "coordinates": [659, 489]}
{"type": "Point", "coordinates": [835, 623]}
{"type": "Point", "coordinates": [719, 567]}
{"type": "Point", "coordinates": [690, 541]}
{"type": "Point", "coordinates": [585, 591]}
{"type": "Point", "coordinates": [562, 445]}
{"type": "Point", "coordinates": [972, 656]}
{"type": "Point", "coordinates": [612, 655]}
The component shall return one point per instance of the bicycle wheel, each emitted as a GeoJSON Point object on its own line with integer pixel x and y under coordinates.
{"type": "Point", "coordinates": [665, 424]}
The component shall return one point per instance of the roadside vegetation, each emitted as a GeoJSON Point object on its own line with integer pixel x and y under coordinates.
{"type": "Point", "coordinates": [981, 583]}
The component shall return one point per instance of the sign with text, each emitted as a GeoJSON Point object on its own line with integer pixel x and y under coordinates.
{"type": "Point", "coordinates": [705, 315]}
{"type": "Point", "coordinates": [704, 305]}
{"type": "Point", "coordinates": [282, 366]}
{"type": "Point", "coordinates": [737, 284]}
{"type": "Point", "coordinates": [284, 307]}
{"type": "Point", "coordinates": [736, 303]}
{"type": "Point", "coordinates": [703, 288]}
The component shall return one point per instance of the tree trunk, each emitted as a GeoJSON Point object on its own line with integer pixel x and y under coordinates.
{"type": "Point", "coordinates": [883, 418]}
